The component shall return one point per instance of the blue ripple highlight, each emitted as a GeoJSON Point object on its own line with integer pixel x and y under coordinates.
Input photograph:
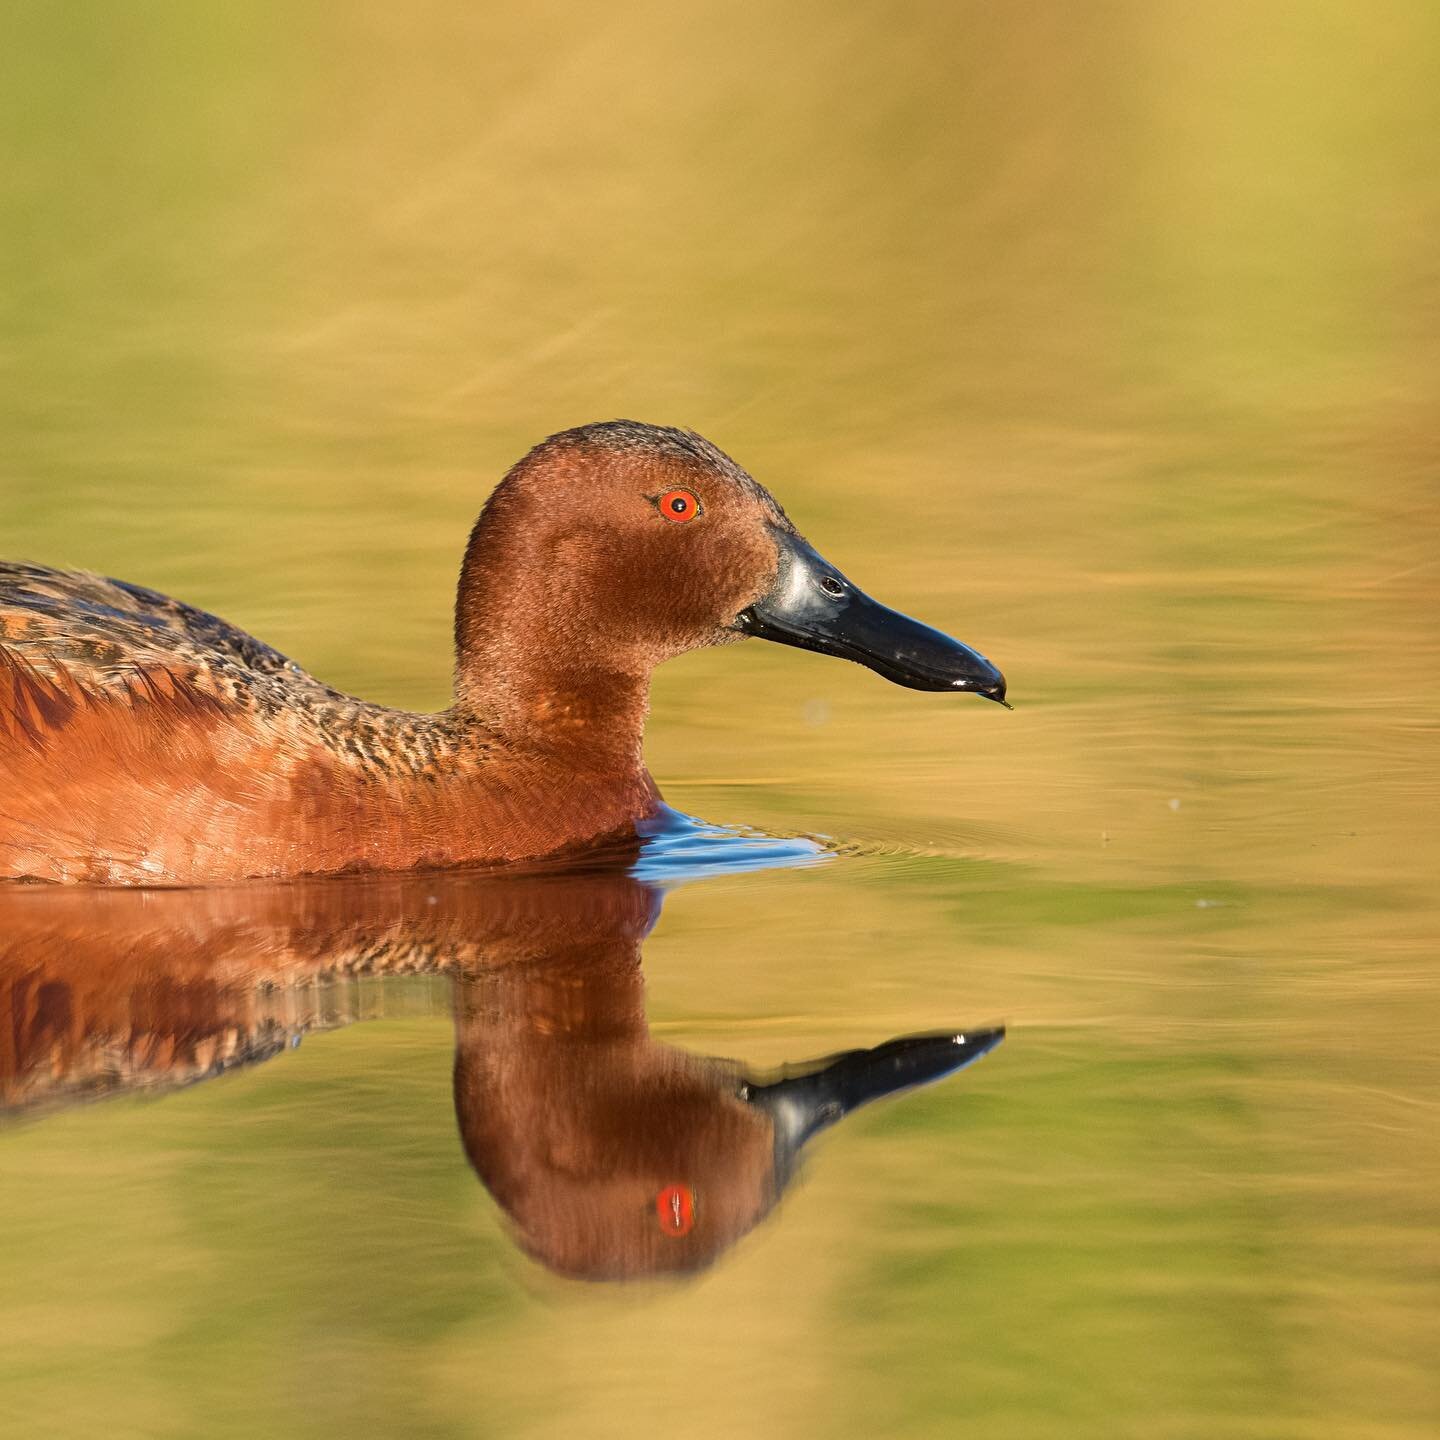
{"type": "Point", "coordinates": [677, 848]}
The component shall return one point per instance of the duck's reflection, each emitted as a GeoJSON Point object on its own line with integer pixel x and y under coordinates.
{"type": "Point", "coordinates": [615, 1156]}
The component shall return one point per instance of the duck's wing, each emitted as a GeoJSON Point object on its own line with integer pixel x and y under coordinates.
{"type": "Point", "coordinates": [106, 635]}
{"type": "Point", "coordinates": [140, 738]}
{"type": "Point", "coordinates": [143, 741]}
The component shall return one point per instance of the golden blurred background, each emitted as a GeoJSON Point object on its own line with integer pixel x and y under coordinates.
{"type": "Point", "coordinates": [1105, 336]}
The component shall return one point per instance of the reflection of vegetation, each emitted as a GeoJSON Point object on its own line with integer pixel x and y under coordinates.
{"type": "Point", "coordinates": [1104, 337]}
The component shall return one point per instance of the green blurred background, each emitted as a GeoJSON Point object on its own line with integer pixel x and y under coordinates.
{"type": "Point", "coordinates": [1106, 336]}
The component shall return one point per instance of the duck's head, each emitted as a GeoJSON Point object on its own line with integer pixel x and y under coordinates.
{"type": "Point", "coordinates": [619, 545]}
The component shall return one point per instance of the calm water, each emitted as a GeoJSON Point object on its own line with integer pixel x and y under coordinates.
{"type": "Point", "coordinates": [1108, 340]}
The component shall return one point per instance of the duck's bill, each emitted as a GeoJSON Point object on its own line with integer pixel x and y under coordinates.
{"type": "Point", "coordinates": [813, 606]}
{"type": "Point", "coordinates": [803, 1105]}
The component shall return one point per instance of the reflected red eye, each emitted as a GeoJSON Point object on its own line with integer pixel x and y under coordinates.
{"type": "Point", "coordinates": [675, 1207]}
{"type": "Point", "coordinates": [679, 505]}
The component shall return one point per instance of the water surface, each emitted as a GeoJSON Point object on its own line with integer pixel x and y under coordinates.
{"type": "Point", "coordinates": [1104, 339]}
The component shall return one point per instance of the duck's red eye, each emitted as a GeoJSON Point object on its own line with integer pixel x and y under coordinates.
{"type": "Point", "coordinates": [675, 1207]}
{"type": "Point", "coordinates": [679, 505]}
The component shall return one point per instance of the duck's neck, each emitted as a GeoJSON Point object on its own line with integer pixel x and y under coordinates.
{"type": "Point", "coordinates": [528, 665]}
{"type": "Point", "coordinates": [587, 717]}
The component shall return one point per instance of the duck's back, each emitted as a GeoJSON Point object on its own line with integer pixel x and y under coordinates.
{"type": "Point", "coordinates": [142, 739]}
{"type": "Point", "coordinates": [103, 631]}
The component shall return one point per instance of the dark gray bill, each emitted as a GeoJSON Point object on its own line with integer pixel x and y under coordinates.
{"type": "Point", "coordinates": [803, 1105]}
{"type": "Point", "coordinates": [812, 605]}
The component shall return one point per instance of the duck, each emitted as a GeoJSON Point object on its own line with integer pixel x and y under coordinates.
{"type": "Point", "coordinates": [146, 742]}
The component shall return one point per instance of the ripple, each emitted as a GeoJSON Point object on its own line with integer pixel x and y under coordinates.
{"type": "Point", "coordinates": [678, 848]}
